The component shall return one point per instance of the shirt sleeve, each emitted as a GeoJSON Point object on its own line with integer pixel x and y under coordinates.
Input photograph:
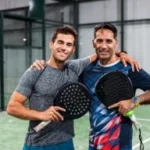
{"type": "Point", "coordinates": [140, 79]}
{"type": "Point", "coordinates": [78, 65]}
{"type": "Point", "coordinates": [26, 82]}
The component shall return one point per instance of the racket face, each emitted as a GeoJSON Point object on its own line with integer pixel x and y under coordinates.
{"type": "Point", "coordinates": [75, 98]}
{"type": "Point", "coordinates": [114, 87]}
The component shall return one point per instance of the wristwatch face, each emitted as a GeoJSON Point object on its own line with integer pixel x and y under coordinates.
{"type": "Point", "coordinates": [134, 99]}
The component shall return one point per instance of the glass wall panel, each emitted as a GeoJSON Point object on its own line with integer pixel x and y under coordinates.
{"type": "Point", "coordinates": [99, 11]}
{"type": "Point", "coordinates": [54, 12]}
{"type": "Point", "coordinates": [36, 54]}
{"type": "Point", "coordinates": [15, 63]}
{"type": "Point", "coordinates": [137, 9]}
{"type": "Point", "coordinates": [14, 32]}
{"type": "Point", "coordinates": [36, 35]}
{"type": "Point", "coordinates": [137, 43]}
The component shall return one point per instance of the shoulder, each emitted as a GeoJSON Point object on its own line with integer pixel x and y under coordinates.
{"type": "Point", "coordinates": [140, 79]}
{"type": "Point", "coordinates": [30, 75]}
{"type": "Point", "coordinates": [139, 74]}
{"type": "Point", "coordinates": [78, 65]}
{"type": "Point", "coordinates": [32, 72]}
{"type": "Point", "coordinates": [77, 61]}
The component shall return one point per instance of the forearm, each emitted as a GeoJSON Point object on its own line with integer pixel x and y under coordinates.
{"type": "Point", "coordinates": [92, 57]}
{"type": "Point", "coordinates": [20, 111]}
{"type": "Point", "coordinates": [144, 98]}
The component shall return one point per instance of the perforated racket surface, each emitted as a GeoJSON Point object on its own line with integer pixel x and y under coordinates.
{"type": "Point", "coordinates": [113, 87]}
{"type": "Point", "coordinates": [75, 98]}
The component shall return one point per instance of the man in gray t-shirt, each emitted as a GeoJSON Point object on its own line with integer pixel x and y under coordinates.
{"type": "Point", "coordinates": [40, 87]}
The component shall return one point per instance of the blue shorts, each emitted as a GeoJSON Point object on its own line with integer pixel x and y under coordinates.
{"type": "Point", "coordinates": [68, 145]}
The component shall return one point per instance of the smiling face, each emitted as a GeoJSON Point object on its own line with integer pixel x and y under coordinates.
{"type": "Point", "coordinates": [105, 45]}
{"type": "Point", "coordinates": [62, 47]}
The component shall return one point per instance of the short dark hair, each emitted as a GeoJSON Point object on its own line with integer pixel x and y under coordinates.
{"type": "Point", "coordinates": [108, 26]}
{"type": "Point", "coordinates": [65, 30]}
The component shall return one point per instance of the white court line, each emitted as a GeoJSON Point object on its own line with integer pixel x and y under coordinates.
{"type": "Point", "coordinates": [145, 141]}
{"type": "Point", "coordinates": [142, 119]}
{"type": "Point", "coordinates": [137, 145]}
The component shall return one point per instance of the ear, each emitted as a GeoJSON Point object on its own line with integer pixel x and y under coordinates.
{"type": "Point", "coordinates": [93, 41]}
{"type": "Point", "coordinates": [117, 43]}
{"type": "Point", "coordinates": [73, 49]}
{"type": "Point", "coordinates": [51, 44]}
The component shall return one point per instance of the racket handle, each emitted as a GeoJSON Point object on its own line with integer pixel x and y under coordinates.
{"type": "Point", "coordinates": [136, 124]}
{"type": "Point", "coordinates": [132, 117]}
{"type": "Point", "coordinates": [41, 125]}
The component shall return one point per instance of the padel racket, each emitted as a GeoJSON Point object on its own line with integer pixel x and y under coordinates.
{"type": "Point", "coordinates": [114, 87]}
{"type": "Point", "coordinates": [75, 98]}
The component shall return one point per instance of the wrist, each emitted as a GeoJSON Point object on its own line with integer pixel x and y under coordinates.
{"type": "Point", "coordinates": [41, 116]}
{"type": "Point", "coordinates": [135, 100]}
{"type": "Point", "coordinates": [120, 52]}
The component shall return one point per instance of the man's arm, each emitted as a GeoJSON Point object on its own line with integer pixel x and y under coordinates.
{"type": "Point", "coordinates": [125, 58]}
{"type": "Point", "coordinates": [39, 64]}
{"type": "Point", "coordinates": [127, 105]}
{"type": "Point", "coordinates": [92, 58]}
{"type": "Point", "coordinates": [17, 109]}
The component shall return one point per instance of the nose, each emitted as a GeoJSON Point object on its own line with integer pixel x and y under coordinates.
{"type": "Point", "coordinates": [104, 45]}
{"type": "Point", "coordinates": [63, 47]}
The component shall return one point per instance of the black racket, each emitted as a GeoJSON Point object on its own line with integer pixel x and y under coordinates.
{"type": "Point", "coordinates": [114, 87]}
{"type": "Point", "coordinates": [75, 98]}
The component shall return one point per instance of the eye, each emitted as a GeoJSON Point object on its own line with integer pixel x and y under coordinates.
{"type": "Point", "coordinates": [109, 41]}
{"type": "Point", "coordinates": [99, 41]}
{"type": "Point", "coordinates": [69, 44]}
{"type": "Point", "coordinates": [60, 42]}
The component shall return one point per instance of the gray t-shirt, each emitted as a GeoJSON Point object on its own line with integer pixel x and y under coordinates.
{"type": "Point", "coordinates": [40, 88]}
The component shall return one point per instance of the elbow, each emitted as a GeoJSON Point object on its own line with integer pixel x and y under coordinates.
{"type": "Point", "coordinates": [10, 109]}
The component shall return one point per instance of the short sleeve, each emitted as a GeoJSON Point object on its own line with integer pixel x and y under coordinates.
{"type": "Point", "coordinates": [140, 79]}
{"type": "Point", "coordinates": [78, 65]}
{"type": "Point", "coordinates": [26, 83]}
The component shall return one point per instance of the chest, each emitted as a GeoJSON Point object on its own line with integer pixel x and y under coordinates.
{"type": "Point", "coordinates": [52, 80]}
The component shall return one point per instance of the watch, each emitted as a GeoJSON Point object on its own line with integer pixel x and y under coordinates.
{"type": "Point", "coordinates": [135, 100]}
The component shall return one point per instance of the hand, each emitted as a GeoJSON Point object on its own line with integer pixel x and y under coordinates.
{"type": "Point", "coordinates": [52, 114]}
{"type": "Point", "coordinates": [125, 58]}
{"type": "Point", "coordinates": [123, 106]}
{"type": "Point", "coordinates": [39, 64]}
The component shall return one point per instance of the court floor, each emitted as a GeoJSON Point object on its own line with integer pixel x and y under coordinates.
{"type": "Point", "coordinates": [12, 131]}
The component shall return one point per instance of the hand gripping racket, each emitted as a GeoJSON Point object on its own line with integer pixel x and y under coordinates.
{"type": "Point", "coordinates": [75, 98]}
{"type": "Point", "coordinates": [114, 87]}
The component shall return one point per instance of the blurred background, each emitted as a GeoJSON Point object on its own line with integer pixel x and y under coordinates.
{"type": "Point", "coordinates": [26, 27]}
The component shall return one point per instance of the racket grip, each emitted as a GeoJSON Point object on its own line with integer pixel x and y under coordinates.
{"type": "Point", "coordinates": [41, 125]}
{"type": "Point", "coordinates": [136, 124]}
